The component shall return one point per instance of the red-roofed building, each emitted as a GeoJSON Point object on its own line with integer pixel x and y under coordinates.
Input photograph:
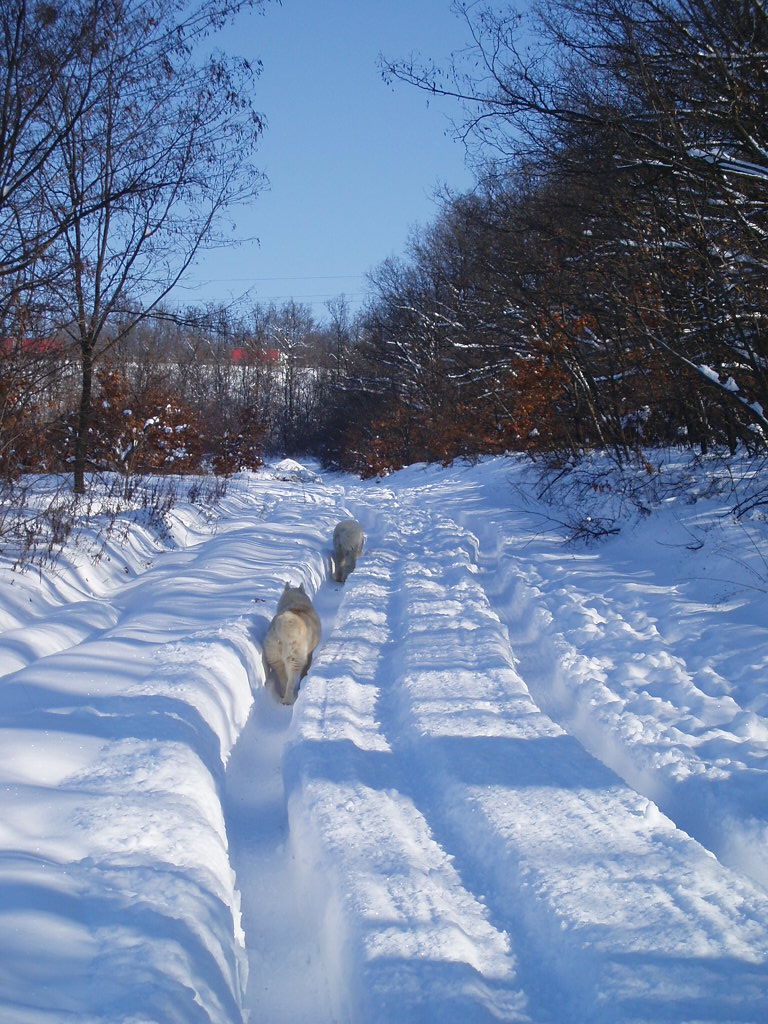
{"type": "Point", "coordinates": [33, 347]}
{"type": "Point", "coordinates": [253, 355]}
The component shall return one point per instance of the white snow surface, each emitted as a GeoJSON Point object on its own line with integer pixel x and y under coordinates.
{"type": "Point", "coordinates": [524, 780]}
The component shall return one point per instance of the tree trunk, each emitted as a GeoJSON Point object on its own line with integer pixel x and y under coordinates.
{"type": "Point", "coordinates": [83, 420]}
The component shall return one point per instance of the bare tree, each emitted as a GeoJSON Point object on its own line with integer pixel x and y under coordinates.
{"type": "Point", "coordinates": [659, 105]}
{"type": "Point", "coordinates": [43, 48]}
{"type": "Point", "coordinates": [146, 169]}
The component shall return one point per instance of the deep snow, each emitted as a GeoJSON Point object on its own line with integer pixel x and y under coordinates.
{"type": "Point", "coordinates": [525, 780]}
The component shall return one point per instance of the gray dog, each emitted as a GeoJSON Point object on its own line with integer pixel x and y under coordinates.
{"type": "Point", "coordinates": [347, 545]}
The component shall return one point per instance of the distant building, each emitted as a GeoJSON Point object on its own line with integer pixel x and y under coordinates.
{"type": "Point", "coordinates": [255, 355]}
{"type": "Point", "coordinates": [36, 348]}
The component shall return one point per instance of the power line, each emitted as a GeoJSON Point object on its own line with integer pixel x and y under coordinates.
{"type": "Point", "coordinates": [320, 277]}
{"type": "Point", "coordinates": [311, 297]}
{"type": "Point", "coordinates": [254, 280]}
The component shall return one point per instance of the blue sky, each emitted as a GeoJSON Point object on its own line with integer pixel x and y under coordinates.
{"type": "Point", "coordinates": [353, 163]}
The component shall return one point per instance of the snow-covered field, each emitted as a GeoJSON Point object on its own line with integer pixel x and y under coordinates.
{"type": "Point", "coordinates": [525, 780]}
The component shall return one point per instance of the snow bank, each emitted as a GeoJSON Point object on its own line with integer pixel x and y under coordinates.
{"type": "Point", "coordinates": [119, 705]}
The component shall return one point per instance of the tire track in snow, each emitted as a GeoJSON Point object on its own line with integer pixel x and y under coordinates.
{"type": "Point", "coordinates": [288, 978]}
{"type": "Point", "coordinates": [546, 832]}
{"type": "Point", "coordinates": [411, 941]}
{"type": "Point", "coordinates": [603, 671]}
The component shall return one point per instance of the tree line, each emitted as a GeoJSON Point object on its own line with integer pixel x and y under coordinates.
{"type": "Point", "coordinates": [198, 390]}
{"type": "Point", "coordinates": [602, 286]}
{"type": "Point", "coordinates": [605, 283]}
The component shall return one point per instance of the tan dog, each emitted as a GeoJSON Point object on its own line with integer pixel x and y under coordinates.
{"type": "Point", "coordinates": [347, 546]}
{"type": "Point", "coordinates": [292, 636]}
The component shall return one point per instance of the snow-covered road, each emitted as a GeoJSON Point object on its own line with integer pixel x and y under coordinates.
{"type": "Point", "coordinates": [524, 780]}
